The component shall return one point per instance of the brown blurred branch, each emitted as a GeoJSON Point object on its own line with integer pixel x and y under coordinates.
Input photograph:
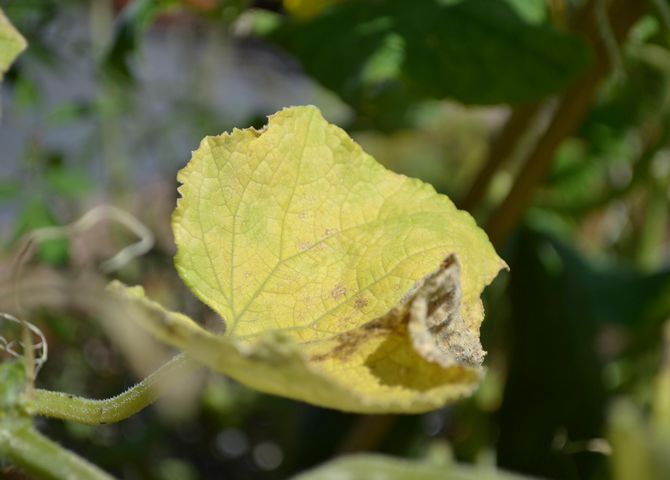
{"type": "Point", "coordinates": [622, 14]}
{"type": "Point", "coordinates": [501, 148]}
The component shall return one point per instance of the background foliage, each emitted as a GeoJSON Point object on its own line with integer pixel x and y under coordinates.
{"type": "Point", "coordinates": [548, 120]}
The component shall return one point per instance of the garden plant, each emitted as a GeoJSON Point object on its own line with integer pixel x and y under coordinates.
{"type": "Point", "coordinates": [326, 286]}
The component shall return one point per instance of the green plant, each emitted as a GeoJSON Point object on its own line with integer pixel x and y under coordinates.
{"type": "Point", "coordinates": [339, 283]}
{"type": "Point", "coordinates": [262, 234]}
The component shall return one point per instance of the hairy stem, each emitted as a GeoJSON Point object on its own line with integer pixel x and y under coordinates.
{"type": "Point", "coordinates": [28, 449]}
{"type": "Point", "coordinates": [98, 412]}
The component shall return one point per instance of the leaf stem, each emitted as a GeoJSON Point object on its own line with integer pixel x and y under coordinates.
{"type": "Point", "coordinates": [99, 412]}
{"type": "Point", "coordinates": [25, 447]}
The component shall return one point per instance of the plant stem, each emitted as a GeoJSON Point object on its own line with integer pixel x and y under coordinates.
{"type": "Point", "coordinates": [99, 412]}
{"type": "Point", "coordinates": [569, 114]}
{"type": "Point", "coordinates": [25, 447]}
{"type": "Point", "coordinates": [500, 150]}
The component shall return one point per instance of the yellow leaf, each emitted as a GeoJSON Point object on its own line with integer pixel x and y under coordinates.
{"type": "Point", "coordinates": [11, 43]}
{"type": "Point", "coordinates": [341, 283]}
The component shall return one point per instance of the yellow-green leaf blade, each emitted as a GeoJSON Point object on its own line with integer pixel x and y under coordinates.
{"type": "Point", "coordinates": [296, 228]}
{"type": "Point", "coordinates": [273, 363]}
{"type": "Point", "coordinates": [11, 44]}
{"type": "Point", "coordinates": [296, 231]}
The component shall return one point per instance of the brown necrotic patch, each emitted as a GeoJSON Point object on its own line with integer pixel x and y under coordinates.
{"type": "Point", "coordinates": [427, 322]}
{"type": "Point", "coordinates": [360, 303]}
{"type": "Point", "coordinates": [347, 343]}
{"type": "Point", "coordinates": [396, 363]}
{"type": "Point", "coordinates": [339, 291]}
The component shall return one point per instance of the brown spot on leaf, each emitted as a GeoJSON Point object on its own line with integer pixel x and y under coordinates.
{"type": "Point", "coordinates": [360, 303]}
{"type": "Point", "coordinates": [426, 325]}
{"type": "Point", "coordinates": [338, 291]}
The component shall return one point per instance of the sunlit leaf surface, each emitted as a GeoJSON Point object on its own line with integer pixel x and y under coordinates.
{"type": "Point", "coordinates": [11, 44]}
{"type": "Point", "coordinates": [340, 283]}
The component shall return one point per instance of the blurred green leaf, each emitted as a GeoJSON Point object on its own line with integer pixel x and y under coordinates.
{"type": "Point", "coordinates": [382, 56]}
{"type": "Point", "coordinates": [176, 469]}
{"type": "Point", "coordinates": [636, 452]}
{"type": "Point", "coordinates": [70, 112]}
{"type": "Point", "coordinates": [26, 92]}
{"type": "Point", "coordinates": [8, 190]}
{"type": "Point", "coordinates": [661, 399]}
{"type": "Point", "coordinates": [570, 313]}
{"type": "Point", "coordinates": [532, 11]}
{"type": "Point", "coordinates": [128, 29]}
{"type": "Point", "coordinates": [378, 467]}
{"type": "Point", "coordinates": [68, 183]}
{"type": "Point", "coordinates": [642, 94]}
{"type": "Point", "coordinates": [12, 382]}
{"type": "Point", "coordinates": [37, 214]}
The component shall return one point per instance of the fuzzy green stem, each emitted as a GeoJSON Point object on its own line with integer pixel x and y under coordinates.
{"type": "Point", "coordinates": [99, 412]}
{"type": "Point", "coordinates": [28, 449]}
